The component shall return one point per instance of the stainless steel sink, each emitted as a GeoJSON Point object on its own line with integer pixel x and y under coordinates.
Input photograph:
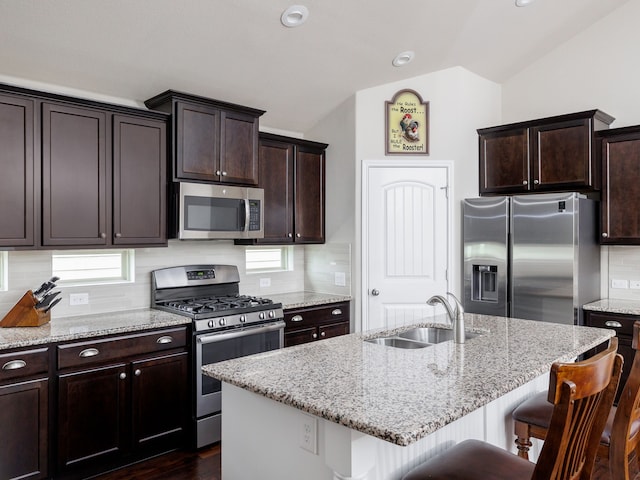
{"type": "Point", "coordinates": [419, 337]}
{"type": "Point", "coordinates": [432, 334]}
{"type": "Point", "coordinates": [397, 342]}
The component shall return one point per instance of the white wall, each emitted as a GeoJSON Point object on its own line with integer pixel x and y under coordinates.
{"type": "Point", "coordinates": [599, 68]}
{"type": "Point", "coordinates": [459, 103]}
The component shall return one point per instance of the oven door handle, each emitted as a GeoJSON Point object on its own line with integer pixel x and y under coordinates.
{"type": "Point", "coordinates": [218, 337]}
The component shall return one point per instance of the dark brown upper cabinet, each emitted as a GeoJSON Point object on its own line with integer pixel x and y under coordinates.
{"type": "Point", "coordinates": [546, 155]}
{"type": "Point", "coordinates": [79, 173]}
{"type": "Point", "coordinates": [212, 141]}
{"type": "Point", "coordinates": [620, 216]}
{"type": "Point", "coordinates": [103, 178]}
{"type": "Point", "coordinates": [17, 182]}
{"type": "Point", "coordinates": [292, 174]}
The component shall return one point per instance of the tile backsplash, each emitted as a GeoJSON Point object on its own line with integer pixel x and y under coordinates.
{"type": "Point", "coordinates": [624, 269]}
{"type": "Point", "coordinates": [27, 269]}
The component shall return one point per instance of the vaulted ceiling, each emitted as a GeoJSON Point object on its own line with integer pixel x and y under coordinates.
{"type": "Point", "coordinates": [238, 51]}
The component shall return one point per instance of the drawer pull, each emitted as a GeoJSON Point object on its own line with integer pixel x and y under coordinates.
{"type": "Point", "coordinates": [89, 352]}
{"type": "Point", "coordinates": [296, 318]}
{"type": "Point", "coordinates": [613, 324]}
{"type": "Point", "coordinates": [14, 365]}
{"type": "Point", "coordinates": [165, 339]}
{"type": "Point", "coordinates": [336, 311]}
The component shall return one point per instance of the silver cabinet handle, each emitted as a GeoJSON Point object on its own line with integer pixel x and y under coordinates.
{"type": "Point", "coordinates": [613, 324]}
{"type": "Point", "coordinates": [118, 235]}
{"type": "Point", "coordinates": [218, 172]}
{"type": "Point", "coordinates": [524, 182]}
{"type": "Point", "coordinates": [375, 292]}
{"type": "Point", "coordinates": [323, 334]}
{"type": "Point", "coordinates": [165, 339]}
{"type": "Point", "coordinates": [296, 318]}
{"type": "Point", "coordinates": [336, 311]}
{"type": "Point", "coordinates": [103, 235]}
{"type": "Point", "coordinates": [605, 234]}
{"type": "Point", "coordinates": [536, 182]}
{"type": "Point", "coordinates": [298, 235]}
{"type": "Point", "coordinates": [14, 365]}
{"type": "Point", "coordinates": [224, 174]}
{"type": "Point", "coordinates": [89, 352]}
{"type": "Point", "coordinates": [315, 335]}
{"type": "Point", "coordinates": [137, 372]}
{"type": "Point", "coordinates": [123, 376]}
{"type": "Point", "coordinates": [289, 235]}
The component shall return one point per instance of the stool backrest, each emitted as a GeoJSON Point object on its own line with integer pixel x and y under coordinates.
{"type": "Point", "coordinates": [582, 394]}
{"type": "Point", "coordinates": [625, 432]}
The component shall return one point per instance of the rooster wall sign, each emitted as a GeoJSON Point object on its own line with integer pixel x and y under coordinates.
{"type": "Point", "coordinates": [407, 124]}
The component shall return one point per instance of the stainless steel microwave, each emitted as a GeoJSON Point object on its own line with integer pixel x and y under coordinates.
{"type": "Point", "coordinates": [204, 211]}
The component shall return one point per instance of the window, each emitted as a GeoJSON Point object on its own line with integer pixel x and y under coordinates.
{"type": "Point", "coordinates": [94, 267]}
{"type": "Point", "coordinates": [4, 270]}
{"type": "Point", "coordinates": [268, 259]}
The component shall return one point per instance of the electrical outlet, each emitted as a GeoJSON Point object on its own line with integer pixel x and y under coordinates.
{"type": "Point", "coordinates": [634, 284]}
{"type": "Point", "coordinates": [308, 438]}
{"type": "Point", "coordinates": [78, 299]}
{"type": "Point", "coordinates": [619, 283]}
{"type": "Point", "coordinates": [265, 282]}
{"type": "Point", "coordinates": [340, 279]}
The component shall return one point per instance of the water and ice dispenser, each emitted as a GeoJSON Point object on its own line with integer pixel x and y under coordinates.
{"type": "Point", "coordinates": [484, 283]}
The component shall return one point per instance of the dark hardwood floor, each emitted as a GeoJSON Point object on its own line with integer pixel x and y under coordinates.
{"type": "Point", "coordinates": [203, 464]}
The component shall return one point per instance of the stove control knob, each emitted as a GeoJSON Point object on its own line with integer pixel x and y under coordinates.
{"type": "Point", "coordinates": [211, 324]}
{"type": "Point", "coordinates": [261, 316]}
{"type": "Point", "coordinates": [272, 314]}
{"type": "Point", "coordinates": [222, 322]}
{"type": "Point", "coordinates": [243, 318]}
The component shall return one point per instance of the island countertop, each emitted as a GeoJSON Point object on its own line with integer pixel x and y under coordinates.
{"type": "Point", "coordinates": [403, 395]}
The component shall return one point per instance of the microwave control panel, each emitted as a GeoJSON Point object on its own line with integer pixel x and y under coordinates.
{"type": "Point", "coordinates": [254, 214]}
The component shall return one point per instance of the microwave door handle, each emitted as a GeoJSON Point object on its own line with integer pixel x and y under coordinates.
{"type": "Point", "coordinates": [247, 214]}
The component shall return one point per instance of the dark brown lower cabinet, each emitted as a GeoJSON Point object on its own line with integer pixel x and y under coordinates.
{"type": "Point", "coordinates": [304, 325]}
{"type": "Point", "coordinates": [623, 325]}
{"type": "Point", "coordinates": [23, 423]}
{"type": "Point", "coordinates": [127, 407]}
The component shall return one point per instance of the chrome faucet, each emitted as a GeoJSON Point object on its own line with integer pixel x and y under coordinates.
{"type": "Point", "coordinates": [456, 315]}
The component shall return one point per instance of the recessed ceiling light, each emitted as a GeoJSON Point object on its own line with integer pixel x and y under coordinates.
{"type": "Point", "coordinates": [523, 3]}
{"type": "Point", "coordinates": [294, 16]}
{"type": "Point", "coordinates": [403, 58]}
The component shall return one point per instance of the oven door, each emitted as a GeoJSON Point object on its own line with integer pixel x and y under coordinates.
{"type": "Point", "coordinates": [218, 346]}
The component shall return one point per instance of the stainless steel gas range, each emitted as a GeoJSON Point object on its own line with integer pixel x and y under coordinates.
{"type": "Point", "coordinates": [226, 325]}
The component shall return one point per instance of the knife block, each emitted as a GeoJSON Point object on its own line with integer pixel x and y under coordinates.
{"type": "Point", "coordinates": [24, 313]}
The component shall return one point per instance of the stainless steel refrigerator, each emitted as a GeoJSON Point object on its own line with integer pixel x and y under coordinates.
{"type": "Point", "coordinates": [532, 256]}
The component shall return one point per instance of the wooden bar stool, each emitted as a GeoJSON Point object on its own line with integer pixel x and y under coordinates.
{"type": "Point", "coordinates": [621, 435]}
{"type": "Point", "coordinates": [582, 394]}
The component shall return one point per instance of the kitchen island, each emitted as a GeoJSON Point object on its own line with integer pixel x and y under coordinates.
{"type": "Point", "coordinates": [347, 408]}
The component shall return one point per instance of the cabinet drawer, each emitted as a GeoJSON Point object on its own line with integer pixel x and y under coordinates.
{"type": "Point", "coordinates": [330, 313]}
{"type": "Point", "coordinates": [23, 363]}
{"type": "Point", "coordinates": [622, 324]}
{"type": "Point", "coordinates": [112, 348]}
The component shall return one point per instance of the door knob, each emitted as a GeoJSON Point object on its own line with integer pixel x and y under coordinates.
{"type": "Point", "coordinates": [375, 292]}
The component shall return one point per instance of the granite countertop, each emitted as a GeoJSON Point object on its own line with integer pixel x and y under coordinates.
{"type": "Point", "coordinates": [402, 395]}
{"type": "Point", "coordinates": [628, 307]}
{"type": "Point", "coordinates": [86, 326]}
{"type": "Point", "coordinates": [307, 299]}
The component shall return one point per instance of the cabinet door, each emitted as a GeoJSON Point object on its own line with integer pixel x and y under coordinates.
{"type": "Point", "coordinates": [197, 143]}
{"type": "Point", "coordinates": [333, 330]}
{"type": "Point", "coordinates": [300, 336]}
{"type": "Point", "coordinates": [562, 157]}
{"type": "Point", "coordinates": [309, 196]}
{"type": "Point", "coordinates": [160, 401]}
{"type": "Point", "coordinates": [276, 178]}
{"type": "Point", "coordinates": [24, 423]}
{"type": "Point", "coordinates": [239, 149]}
{"type": "Point", "coordinates": [504, 161]}
{"type": "Point", "coordinates": [139, 181]}
{"type": "Point", "coordinates": [92, 416]}
{"type": "Point", "coordinates": [74, 176]}
{"type": "Point", "coordinates": [620, 216]}
{"type": "Point", "coordinates": [16, 181]}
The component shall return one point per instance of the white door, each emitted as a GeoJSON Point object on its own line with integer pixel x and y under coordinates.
{"type": "Point", "coordinates": [405, 242]}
